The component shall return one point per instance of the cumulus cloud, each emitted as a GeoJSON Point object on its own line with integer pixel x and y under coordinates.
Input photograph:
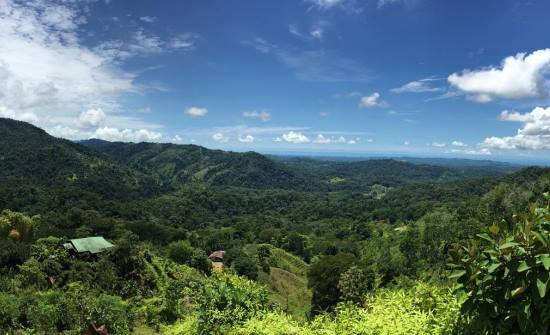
{"type": "Point", "coordinates": [438, 145]}
{"type": "Point", "coordinates": [534, 133]}
{"type": "Point", "coordinates": [246, 139]}
{"type": "Point", "coordinates": [418, 86]}
{"type": "Point", "coordinates": [295, 137]}
{"type": "Point", "coordinates": [406, 143]}
{"type": "Point", "coordinates": [321, 139]}
{"type": "Point", "coordinates": [177, 139]}
{"type": "Point", "coordinates": [197, 112]}
{"type": "Point", "coordinates": [91, 118]}
{"type": "Point", "coordinates": [371, 101]}
{"type": "Point", "coordinates": [520, 76]}
{"type": "Point", "coordinates": [220, 137]}
{"type": "Point", "coordinates": [49, 76]}
{"type": "Point", "coordinates": [126, 135]}
{"type": "Point", "coordinates": [458, 144]}
{"type": "Point", "coordinates": [262, 115]}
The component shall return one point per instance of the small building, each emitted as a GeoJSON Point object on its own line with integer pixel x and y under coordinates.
{"type": "Point", "coordinates": [88, 245]}
{"type": "Point", "coordinates": [217, 256]}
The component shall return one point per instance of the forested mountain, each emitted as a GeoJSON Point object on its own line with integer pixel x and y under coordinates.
{"type": "Point", "coordinates": [181, 164]}
{"type": "Point", "coordinates": [39, 168]}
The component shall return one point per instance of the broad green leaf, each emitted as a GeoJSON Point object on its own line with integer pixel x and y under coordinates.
{"type": "Point", "coordinates": [508, 245]}
{"type": "Point", "coordinates": [541, 238]}
{"type": "Point", "coordinates": [457, 274]}
{"type": "Point", "coordinates": [542, 287]}
{"type": "Point", "coordinates": [523, 267]}
{"type": "Point", "coordinates": [545, 259]}
{"type": "Point", "coordinates": [518, 291]}
{"type": "Point", "coordinates": [493, 267]}
{"type": "Point", "coordinates": [486, 237]}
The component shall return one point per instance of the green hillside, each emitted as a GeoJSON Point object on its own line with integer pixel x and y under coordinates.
{"type": "Point", "coordinates": [36, 166]}
{"type": "Point", "coordinates": [176, 165]}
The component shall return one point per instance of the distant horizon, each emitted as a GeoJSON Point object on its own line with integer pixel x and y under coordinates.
{"type": "Point", "coordinates": [413, 77]}
{"type": "Point", "coordinates": [369, 155]}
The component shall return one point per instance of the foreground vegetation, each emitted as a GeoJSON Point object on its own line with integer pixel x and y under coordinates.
{"type": "Point", "coordinates": [467, 253]}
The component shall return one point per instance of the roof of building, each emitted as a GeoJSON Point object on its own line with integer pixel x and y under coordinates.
{"type": "Point", "coordinates": [89, 244]}
{"type": "Point", "coordinates": [217, 254]}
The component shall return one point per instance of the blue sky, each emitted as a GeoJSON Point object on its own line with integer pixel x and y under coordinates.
{"type": "Point", "coordinates": [425, 77]}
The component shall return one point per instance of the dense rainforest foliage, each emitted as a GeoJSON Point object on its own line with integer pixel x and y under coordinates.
{"type": "Point", "coordinates": [312, 246]}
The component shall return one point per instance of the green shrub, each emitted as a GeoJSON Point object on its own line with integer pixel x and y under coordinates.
{"type": "Point", "coordinates": [245, 266]}
{"type": "Point", "coordinates": [354, 284]}
{"type": "Point", "coordinates": [183, 253]}
{"type": "Point", "coordinates": [323, 278]}
{"type": "Point", "coordinates": [504, 276]}
{"type": "Point", "coordinates": [228, 300]}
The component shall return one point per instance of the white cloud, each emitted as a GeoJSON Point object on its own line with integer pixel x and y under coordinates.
{"type": "Point", "coordinates": [534, 133]}
{"type": "Point", "coordinates": [126, 135]}
{"type": "Point", "coordinates": [262, 115]}
{"type": "Point", "coordinates": [26, 116]}
{"type": "Point", "coordinates": [261, 45]}
{"type": "Point", "coordinates": [184, 41]}
{"type": "Point", "coordinates": [293, 29]}
{"type": "Point", "coordinates": [317, 32]}
{"type": "Point", "coordinates": [326, 4]}
{"type": "Point", "coordinates": [478, 152]}
{"type": "Point", "coordinates": [49, 75]}
{"type": "Point", "coordinates": [406, 143]}
{"type": "Point", "coordinates": [91, 118]}
{"type": "Point", "coordinates": [438, 145]}
{"type": "Point", "coordinates": [418, 86]}
{"type": "Point", "coordinates": [371, 101]}
{"type": "Point", "coordinates": [197, 112]}
{"type": "Point", "coordinates": [520, 76]}
{"type": "Point", "coordinates": [146, 44]}
{"type": "Point", "coordinates": [144, 110]}
{"type": "Point", "coordinates": [177, 139]}
{"type": "Point", "coordinates": [407, 3]}
{"type": "Point", "coordinates": [295, 137]}
{"type": "Point", "coordinates": [324, 114]}
{"type": "Point", "coordinates": [220, 137]}
{"type": "Point", "coordinates": [458, 144]}
{"type": "Point", "coordinates": [148, 19]}
{"type": "Point", "coordinates": [321, 139]}
{"type": "Point", "coordinates": [246, 139]}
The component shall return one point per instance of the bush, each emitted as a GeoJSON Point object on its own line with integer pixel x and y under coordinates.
{"type": "Point", "coordinates": [183, 253]}
{"type": "Point", "coordinates": [354, 284]}
{"type": "Point", "coordinates": [245, 266]}
{"type": "Point", "coordinates": [228, 300]}
{"type": "Point", "coordinates": [323, 278]}
{"type": "Point", "coordinates": [504, 276]}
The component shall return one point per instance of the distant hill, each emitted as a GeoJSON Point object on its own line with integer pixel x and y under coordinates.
{"type": "Point", "coordinates": [34, 166]}
{"type": "Point", "coordinates": [480, 165]}
{"type": "Point", "coordinates": [358, 174]}
{"type": "Point", "coordinates": [177, 165]}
